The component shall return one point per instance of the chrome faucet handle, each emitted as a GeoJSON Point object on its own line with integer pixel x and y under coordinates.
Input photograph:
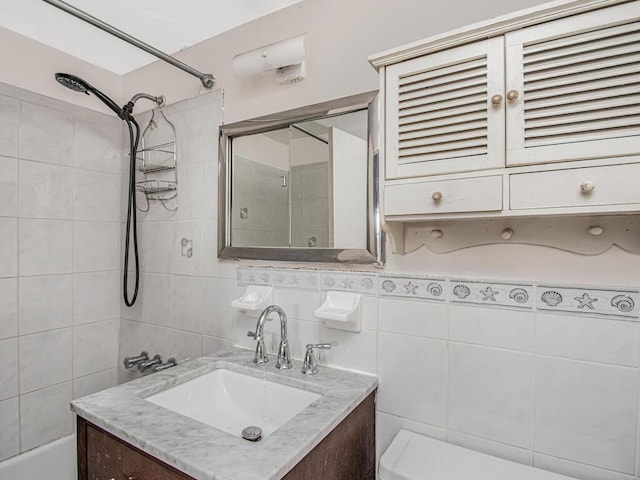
{"type": "Point", "coordinates": [130, 362]}
{"type": "Point", "coordinates": [309, 366]}
{"type": "Point", "coordinates": [171, 362]}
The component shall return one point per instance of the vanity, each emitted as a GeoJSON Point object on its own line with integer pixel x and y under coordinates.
{"type": "Point", "coordinates": [320, 426]}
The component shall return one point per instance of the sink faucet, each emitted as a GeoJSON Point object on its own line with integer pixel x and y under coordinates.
{"type": "Point", "coordinates": [283, 360]}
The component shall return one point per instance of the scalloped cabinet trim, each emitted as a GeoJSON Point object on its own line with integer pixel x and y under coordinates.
{"type": "Point", "coordinates": [532, 116]}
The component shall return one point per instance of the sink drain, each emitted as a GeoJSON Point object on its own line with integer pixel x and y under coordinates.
{"type": "Point", "coordinates": [252, 433]}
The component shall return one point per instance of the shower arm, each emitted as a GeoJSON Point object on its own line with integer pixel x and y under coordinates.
{"type": "Point", "coordinates": [207, 79]}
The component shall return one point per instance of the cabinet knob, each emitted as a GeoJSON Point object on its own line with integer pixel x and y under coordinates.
{"type": "Point", "coordinates": [512, 95]}
{"type": "Point", "coordinates": [496, 100]}
{"type": "Point", "coordinates": [437, 196]}
{"type": "Point", "coordinates": [587, 186]}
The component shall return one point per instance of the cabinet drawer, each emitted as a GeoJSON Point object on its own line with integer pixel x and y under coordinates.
{"type": "Point", "coordinates": [479, 194]}
{"type": "Point", "coordinates": [580, 187]}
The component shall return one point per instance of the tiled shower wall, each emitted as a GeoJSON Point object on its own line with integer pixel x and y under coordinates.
{"type": "Point", "coordinates": [60, 175]}
{"type": "Point", "coordinates": [541, 374]}
{"type": "Point", "coordinates": [183, 307]}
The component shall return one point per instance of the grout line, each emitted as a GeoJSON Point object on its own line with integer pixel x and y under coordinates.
{"type": "Point", "coordinates": [534, 383]}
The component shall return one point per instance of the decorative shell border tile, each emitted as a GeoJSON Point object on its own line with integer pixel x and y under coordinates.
{"type": "Point", "coordinates": [349, 282]}
{"type": "Point", "coordinates": [518, 295]}
{"type": "Point", "coordinates": [405, 286]}
{"type": "Point", "coordinates": [589, 300]}
{"type": "Point", "coordinates": [302, 279]}
{"type": "Point", "coordinates": [254, 276]}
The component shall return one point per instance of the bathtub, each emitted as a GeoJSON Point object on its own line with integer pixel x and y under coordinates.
{"type": "Point", "coordinates": [53, 461]}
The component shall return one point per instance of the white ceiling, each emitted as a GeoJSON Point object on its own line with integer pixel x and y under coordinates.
{"type": "Point", "coordinates": [169, 25]}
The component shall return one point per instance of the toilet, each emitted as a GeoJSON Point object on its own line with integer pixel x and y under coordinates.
{"type": "Point", "coordinates": [416, 457]}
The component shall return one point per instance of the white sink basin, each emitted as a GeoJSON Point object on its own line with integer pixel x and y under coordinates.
{"type": "Point", "coordinates": [231, 401]}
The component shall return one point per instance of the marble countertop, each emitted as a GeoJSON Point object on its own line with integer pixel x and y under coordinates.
{"type": "Point", "coordinates": [207, 453]}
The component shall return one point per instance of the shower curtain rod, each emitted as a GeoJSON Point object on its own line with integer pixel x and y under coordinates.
{"type": "Point", "coordinates": [207, 79]}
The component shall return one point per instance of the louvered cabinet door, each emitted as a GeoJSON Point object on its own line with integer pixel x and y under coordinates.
{"type": "Point", "coordinates": [440, 117]}
{"type": "Point", "coordinates": [574, 86]}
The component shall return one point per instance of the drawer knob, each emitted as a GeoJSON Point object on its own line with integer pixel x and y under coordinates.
{"type": "Point", "coordinates": [496, 100]}
{"type": "Point", "coordinates": [512, 95]}
{"type": "Point", "coordinates": [437, 196]}
{"type": "Point", "coordinates": [587, 186]}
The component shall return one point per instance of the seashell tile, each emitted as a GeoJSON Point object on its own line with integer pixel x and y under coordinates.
{"type": "Point", "coordinates": [492, 293]}
{"type": "Point", "coordinates": [349, 282]}
{"type": "Point", "coordinates": [302, 279]}
{"type": "Point", "coordinates": [426, 288]}
{"type": "Point", "coordinates": [254, 276]}
{"type": "Point", "coordinates": [589, 300]}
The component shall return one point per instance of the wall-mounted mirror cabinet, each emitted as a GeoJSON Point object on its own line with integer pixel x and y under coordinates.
{"type": "Point", "coordinates": [302, 185]}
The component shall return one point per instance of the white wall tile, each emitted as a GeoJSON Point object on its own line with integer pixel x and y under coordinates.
{"type": "Point", "coordinates": [46, 134]}
{"type": "Point", "coordinates": [9, 126]}
{"type": "Point", "coordinates": [212, 266]}
{"type": "Point", "coordinates": [95, 296]}
{"type": "Point", "coordinates": [387, 426]}
{"type": "Point", "coordinates": [490, 393]}
{"type": "Point", "coordinates": [492, 327]}
{"type": "Point", "coordinates": [9, 368]}
{"type": "Point", "coordinates": [8, 182]}
{"type": "Point", "coordinates": [95, 382]}
{"type": "Point", "coordinates": [45, 303]}
{"type": "Point", "coordinates": [96, 196]}
{"type": "Point", "coordinates": [184, 345]}
{"type": "Point", "coordinates": [97, 146]}
{"type": "Point", "coordinates": [186, 303]}
{"type": "Point", "coordinates": [10, 431]}
{"type": "Point", "coordinates": [95, 246]}
{"type": "Point", "coordinates": [496, 449]}
{"type": "Point", "coordinates": [136, 337]}
{"type": "Point", "coordinates": [353, 351]}
{"type": "Point", "coordinates": [184, 265]}
{"type": "Point", "coordinates": [299, 334]}
{"type": "Point", "coordinates": [158, 240]}
{"type": "Point", "coordinates": [210, 198]}
{"type": "Point", "coordinates": [586, 338]}
{"type": "Point", "coordinates": [45, 246]}
{"type": "Point", "coordinates": [45, 416]}
{"type": "Point", "coordinates": [45, 191]}
{"type": "Point", "coordinates": [156, 301]}
{"type": "Point", "coordinates": [9, 250]}
{"type": "Point", "coordinates": [45, 359]}
{"type": "Point", "coordinates": [191, 192]}
{"type": "Point", "coordinates": [214, 344]}
{"type": "Point", "coordinates": [218, 318]}
{"type": "Point", "coordinates": [577, 470]}
{"type": "Point", "coordinates": [586, 412]}
{"type": "Point", "coordinates": [413, 317]}
{"type": "Point", "coordinates": [298, 304]}
{"type": "Point", "coordinates": [8, 307]}
{"type": "Point", "coordinates": [412, 373]}
{"type": "Point", "coordinates": [95, 347]}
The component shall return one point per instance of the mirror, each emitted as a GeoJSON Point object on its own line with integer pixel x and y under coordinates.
{"type": "Point", "coordinates": [302, 185]}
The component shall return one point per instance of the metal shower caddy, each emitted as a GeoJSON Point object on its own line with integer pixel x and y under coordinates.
{"type": "Point", "coordinates": [156, 160]}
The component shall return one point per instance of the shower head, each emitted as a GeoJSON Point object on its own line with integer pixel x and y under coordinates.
{"type": "Point", "coordinates": [79, 85]}
{"type": "Point", "coordinates": [72, 82]}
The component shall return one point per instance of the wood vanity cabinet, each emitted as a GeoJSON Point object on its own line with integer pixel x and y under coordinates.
{"type": "Point", "coordinates": [347, 453]}
{"type": "Point", "coordinates": [534, 113]}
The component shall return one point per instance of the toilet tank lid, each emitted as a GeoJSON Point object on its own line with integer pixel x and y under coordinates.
{"type": "Point", "coordinates": [415, 457]}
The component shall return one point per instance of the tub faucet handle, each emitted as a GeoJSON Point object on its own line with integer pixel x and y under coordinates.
{"type": "Point", "coordinates": [309, 367]}
{"type": "Point", "coordinates": [130, 362]}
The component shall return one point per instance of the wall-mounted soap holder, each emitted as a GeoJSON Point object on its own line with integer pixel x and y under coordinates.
{"type": "Point", "coordinates": [254, 300]}
{"type": "Point", "coordinates": [341, 311]}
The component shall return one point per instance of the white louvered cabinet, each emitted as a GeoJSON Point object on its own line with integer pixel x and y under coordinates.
{"type": "Point", "coordinates": [577, 82]}
{"type": "Point", "coordinates": [545, 100]}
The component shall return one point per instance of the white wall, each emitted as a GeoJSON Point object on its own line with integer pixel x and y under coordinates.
{"type": "Point", "coordinates": [60, 176]}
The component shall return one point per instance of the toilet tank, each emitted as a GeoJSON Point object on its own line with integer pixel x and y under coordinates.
{"type": "Point", "coordinates": [415, 457]}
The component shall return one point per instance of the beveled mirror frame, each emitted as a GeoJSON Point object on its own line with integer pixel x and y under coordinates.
{"type": "Point", "coordinates": [374, 253]}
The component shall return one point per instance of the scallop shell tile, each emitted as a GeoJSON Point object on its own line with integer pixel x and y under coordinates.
{"type": "Point", "coordinates": [425, 288]}
{"type": "Point", "coordinates": [492, 293]}
{"type": "Point", "coordinates": [589, 300]}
